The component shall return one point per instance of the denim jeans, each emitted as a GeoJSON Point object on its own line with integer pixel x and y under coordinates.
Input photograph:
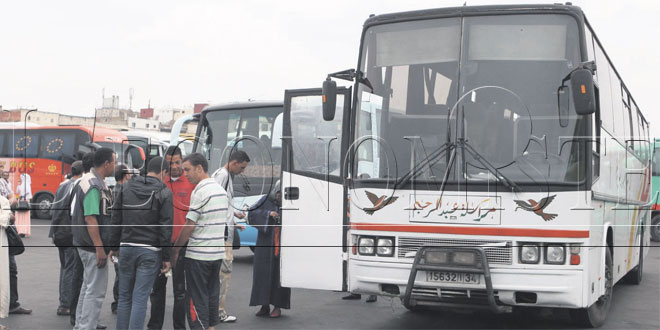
{"type": "Point", "coordinates": [180, 306]}
{"type": "Point", "coordinates": [138, 267]}
{"type": "Point", "coordinates": [92, 292]}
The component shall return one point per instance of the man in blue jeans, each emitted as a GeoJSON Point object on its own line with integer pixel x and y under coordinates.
{"type": "Point", "coordinates": [141, 232]}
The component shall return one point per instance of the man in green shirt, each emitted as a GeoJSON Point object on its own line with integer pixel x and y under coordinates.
{"type": "Point", "coordinates": [91, 203]}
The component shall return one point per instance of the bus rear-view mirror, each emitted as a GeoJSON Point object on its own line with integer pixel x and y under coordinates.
{"type": "Point", "coordinates": [329, 95]}
{"type": "Point", "coordinates": [582, 87]}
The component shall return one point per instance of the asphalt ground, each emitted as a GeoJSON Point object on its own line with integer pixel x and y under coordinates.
{"type": "Point", "coordinates": [634, 307]}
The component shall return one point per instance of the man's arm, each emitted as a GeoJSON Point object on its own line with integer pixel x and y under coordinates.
{"type": "Point", "coordinates": [95, 235]}
{"type": "Point", "coordinates": [117, 219]}
{"type": "Point", "coordinates": [91, 210]}
{"type": "Point", "coordinates": [165, 223]}
{"type": "Point", "coordinates": [181, 241]}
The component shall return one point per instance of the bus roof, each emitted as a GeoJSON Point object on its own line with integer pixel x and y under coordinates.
{"type": "Point", "coordinates": [101, 134]}
{"type": "Point", "coordinates": [242, 105]}
{"type": "Point", "coordinates": [470, 11]}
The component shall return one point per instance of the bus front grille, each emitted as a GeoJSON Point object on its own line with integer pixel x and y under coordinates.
{"type": "Point", "coordinates": [453, 295]}
{"type": "Point", "coordinates": [497, 252]}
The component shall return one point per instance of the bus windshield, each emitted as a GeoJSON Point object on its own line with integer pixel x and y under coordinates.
{"type": "Point", "coordinates": [256, 131]}
{"type": "Point", "coordinates": [492, 80]}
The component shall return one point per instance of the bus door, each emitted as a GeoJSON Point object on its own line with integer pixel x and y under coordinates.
{"type": "Point", "coordinates": [313, 240]}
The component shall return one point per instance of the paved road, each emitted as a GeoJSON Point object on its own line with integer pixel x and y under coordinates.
{"type": "Point", "coordinates": [635, 307]}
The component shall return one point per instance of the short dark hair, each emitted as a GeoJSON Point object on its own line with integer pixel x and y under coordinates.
{"type": "Point", "coordinates": [88, 161]}
{"type": "Point", "coordinates": [121, 171]}
{"type": "Point", "coordinates": [239, 156]}
{"type": "Point", "coordinates": [173, 151]}
{"type": "Point", "coordinates": [157, 165]}
{"type": "Point", "coordinates": [197, 159]}
{"type": "Point", "coordinates": [76, 168]}
{"type": "Point", "coordinates": [102, 155]}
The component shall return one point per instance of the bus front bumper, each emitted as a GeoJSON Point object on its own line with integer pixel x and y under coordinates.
{"type": "Point", "coordinates": [510, 286]}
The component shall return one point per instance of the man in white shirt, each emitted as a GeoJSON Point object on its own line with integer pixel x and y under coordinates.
{"type": "Point", "coordinates": [238, 161]}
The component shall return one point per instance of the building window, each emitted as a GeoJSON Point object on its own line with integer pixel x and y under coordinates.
{"type": "Point", "coordinates": [147, 125]}
{"type": "Point", "coordinates": [133, 125]}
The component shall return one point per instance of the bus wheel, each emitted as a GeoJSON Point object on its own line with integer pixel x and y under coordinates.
{"type": "Point", "coordinates": [43, 203]}
{"type": "Point", "coordinates": [595, 315]}
{"type": "Point", "coordinates": [655, 228]}
{"type": "Point", "coordinates": [635, 275]}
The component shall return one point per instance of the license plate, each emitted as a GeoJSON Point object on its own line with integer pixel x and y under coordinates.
{"type": "Point", "coordinates": [450, 277]}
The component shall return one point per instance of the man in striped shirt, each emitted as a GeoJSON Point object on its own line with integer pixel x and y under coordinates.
{"type": "Point", "coordinates": [204, 231]}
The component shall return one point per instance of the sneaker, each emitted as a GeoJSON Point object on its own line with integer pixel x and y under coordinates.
{"type": "Point", "coordinates": [226, 318]}
{"type": "Point", "coordinates": [20, 310]}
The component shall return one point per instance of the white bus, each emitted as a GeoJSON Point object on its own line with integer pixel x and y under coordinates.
{"type": "Point", "coordinates": [487, 157]}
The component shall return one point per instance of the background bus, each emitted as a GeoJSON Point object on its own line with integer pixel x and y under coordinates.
{"type": "Point", "coordinates": [655, 220]}
{"type": "Point", "coordinates": [47, 152]}
{"type": "Point", "coordinates": [485, 157]}
{"type": "Point", "coordinates": [255, 128]}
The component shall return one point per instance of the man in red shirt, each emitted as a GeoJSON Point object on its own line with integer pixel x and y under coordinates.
{"type": "Point", "coordinates": [181, 189]}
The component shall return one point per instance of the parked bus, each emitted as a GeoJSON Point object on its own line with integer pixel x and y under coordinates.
{"type": "Point", "coordinates": [655, 220]}
{"type": "Point", "coordinates": [254, 127]}
{"type": "Point", "coordinates": [485, 157]}
{"type": "Point", "coordinates": [183, 140]}
{"type": "Point", "coordinates": [47, 152]}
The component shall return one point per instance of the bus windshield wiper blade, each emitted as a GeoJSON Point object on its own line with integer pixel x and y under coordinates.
{"type": "Point", "coordinates": [430, 161]}
{"type": "Point", "coordinates": [498, 175]}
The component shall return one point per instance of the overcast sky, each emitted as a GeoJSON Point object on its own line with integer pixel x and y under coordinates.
{"type": "Point", "coordinates": [60, 55]}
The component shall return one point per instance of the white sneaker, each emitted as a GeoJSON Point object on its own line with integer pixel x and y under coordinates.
{"type": "Point", "coordinates": [226, 318]}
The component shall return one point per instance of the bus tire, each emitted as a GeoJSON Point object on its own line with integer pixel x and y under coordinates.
{"type": "Point", "coordinates": [634, 277]}
{"type": "Point", "coordinates": [655, 228]}
{"type": "Point", "coordinates": [595, 315]}
{"type": "Point", "coordinates": [42, 205]}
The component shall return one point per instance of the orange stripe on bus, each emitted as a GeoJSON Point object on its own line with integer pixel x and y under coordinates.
{"type": "Point", "coordinates": [473, 230]}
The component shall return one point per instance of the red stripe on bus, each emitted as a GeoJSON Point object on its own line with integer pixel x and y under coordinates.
{"type": "Point", "coordinates": [473, 230]}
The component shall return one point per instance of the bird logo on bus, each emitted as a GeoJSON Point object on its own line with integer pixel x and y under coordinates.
{"type": "Point", "coordinates": [537, 207]}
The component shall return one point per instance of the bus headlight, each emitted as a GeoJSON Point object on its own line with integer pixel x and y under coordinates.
{"type": "Point", "coordinates": [385, 247]}
{"type": "Point", "coordinates": [464, 258]}
{"type": "Point", "coordinates": [436, 257]}
{"type": "Point", "coordinates": [529, 254]}
{"type": "Point", "coordinates": [555, 254]}
{"type": "Point", "coordinates": [366, 246]}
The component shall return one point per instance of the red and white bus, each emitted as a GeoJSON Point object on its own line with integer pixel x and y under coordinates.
{"type": "Point", "coordinates": [47, 152]}
{"type": "Point", "coordinates": [488, 157]}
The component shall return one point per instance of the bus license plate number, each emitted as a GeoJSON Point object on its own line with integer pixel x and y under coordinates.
{"type": "Point", "coordinates": [449, 277]}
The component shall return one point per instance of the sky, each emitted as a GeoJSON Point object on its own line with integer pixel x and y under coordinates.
{"type": "Point", "coordinates": [61, 56]}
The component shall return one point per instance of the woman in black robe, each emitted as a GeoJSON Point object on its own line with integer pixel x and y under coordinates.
{"type": "Point", "coordinates": [266, 289]}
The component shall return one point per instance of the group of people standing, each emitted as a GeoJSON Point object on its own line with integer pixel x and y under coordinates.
{"type": "Point", "coordinates": [178, 222]}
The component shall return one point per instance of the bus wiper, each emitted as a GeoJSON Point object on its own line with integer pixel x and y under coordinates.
{"type": "Point", "coordinates": [430, 160]}
{"type": "Point", "coordinates": [478, 157]}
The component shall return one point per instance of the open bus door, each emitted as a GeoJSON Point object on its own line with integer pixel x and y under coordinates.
{"type": "Point", "coordinates": [313, 240]}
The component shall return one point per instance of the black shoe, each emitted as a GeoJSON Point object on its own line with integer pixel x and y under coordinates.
{"type": "Point", "coordinates": [352, 296]}
{"type": "Point", "coordinates": [63, 311]}
{"type": "Point", "coordinates": [101, 326]}
{"type": "Point", "coordinates": [371, 298]}
{"type": "Point", "coordinates": [72, 320]}
{"type": "Point", "coordinates": [20, 310]}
